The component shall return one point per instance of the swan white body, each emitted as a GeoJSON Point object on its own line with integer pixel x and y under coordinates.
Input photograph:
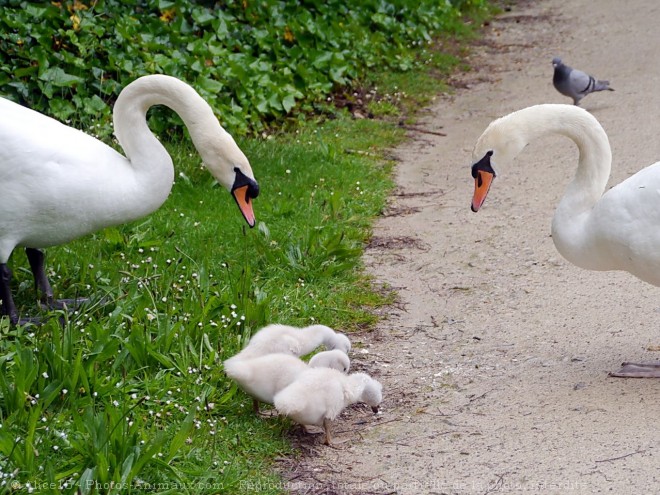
{"type": "Point", "coordinates": [59, 183]}
{"type": "Point", "coordinates": [264, 376]}
{"type": "Point", "coordinates": [295, 341]}
{"type": "Point", "coordinates": [614, 230]}
{"type": "Point", "coordinates": [319, 395]}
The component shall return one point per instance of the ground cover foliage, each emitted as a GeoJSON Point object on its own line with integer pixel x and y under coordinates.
{"type": "Point", "coordinates": [127, 394]}
{"type": "Point", "coordinates": [254, 61]}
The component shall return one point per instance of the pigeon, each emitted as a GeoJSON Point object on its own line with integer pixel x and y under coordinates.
{"type": "Point", "coordinates": [575, 83]}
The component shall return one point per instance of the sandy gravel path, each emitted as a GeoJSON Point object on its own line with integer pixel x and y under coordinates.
{"type": "Point", "coordinates": [495, 359]}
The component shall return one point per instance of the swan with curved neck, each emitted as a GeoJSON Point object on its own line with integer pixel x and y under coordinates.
{"type": "Point", "coordinates": [591, 228]}
{"type": "Point", "coordinates": [59, 183]}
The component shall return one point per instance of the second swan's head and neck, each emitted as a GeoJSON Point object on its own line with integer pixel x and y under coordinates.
{"type": "Point", "coordinates": [219, 152]}
{"type": "Point", "coordinates": [506, 137]}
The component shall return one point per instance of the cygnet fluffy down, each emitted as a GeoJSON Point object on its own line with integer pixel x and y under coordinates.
{"type": "Point", "coordinates": [319, 395]}
{"type": "Point", "coordinates": [264, 376]}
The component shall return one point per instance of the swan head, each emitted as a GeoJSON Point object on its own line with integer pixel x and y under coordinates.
{"type": "Point", "coordinates": [244, 190]}
{"type": "Point", "coordinates": [335, 359]}
{"type": "Point", "coordinates": [372, 395]}
{"type": "Point", "coordinates": [231, 168]}
{"type": "Point", "coordinates": [500, 143]}
{"type": "Point", "coordinates": [483, 174]}
{"type": "Point", "coordinates": [340, 342]}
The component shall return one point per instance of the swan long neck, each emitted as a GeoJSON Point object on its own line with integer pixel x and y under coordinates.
{"type": "Point", "coordinates": [516, 130]}
{"type": "Point", "coordinates": [147, 155]}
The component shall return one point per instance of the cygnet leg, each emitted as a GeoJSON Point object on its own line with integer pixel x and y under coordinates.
{"type": "Point", "coordinates": [328, 433]}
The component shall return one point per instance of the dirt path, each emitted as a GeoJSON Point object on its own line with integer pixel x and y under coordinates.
{"type": "Point", "coordinates": [495, 360]}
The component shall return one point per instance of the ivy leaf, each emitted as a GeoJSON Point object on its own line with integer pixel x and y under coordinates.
{"type": "Point", "coordinates": [57, 77]}
{"type": "Point", "coordinates": [210, 85]}
{"type": "Point", "coordinates": [288, 102]}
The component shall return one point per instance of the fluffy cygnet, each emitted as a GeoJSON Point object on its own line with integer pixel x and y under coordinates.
{"type": "Point", "coordinates": [276, 338]}
{"type": "Point", "coordinates": [319, 395]}
{"type": "Point", "coordinates": [264, 376]}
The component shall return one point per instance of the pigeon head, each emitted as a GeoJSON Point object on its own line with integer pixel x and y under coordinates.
{"type": "Point", "coordinates": [556, 62]}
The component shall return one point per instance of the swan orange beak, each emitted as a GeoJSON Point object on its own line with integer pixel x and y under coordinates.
{"type": "Point", "coordinates": [244, 190]}
{"type": "Point", "coordinates": [244, 204]}
{"type": "Point", "coordinates": [483, 174]}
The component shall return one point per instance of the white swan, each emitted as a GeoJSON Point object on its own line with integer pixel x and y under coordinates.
{"type": "Point", "coordinates": [615, 230]}
{"type": "Point", "coordinates": [295, 341]}
{"type": "Point", "coordinates": [264, 376]}
{"type": "Point", "coordinates": [319, 395]}
{"type": "Point", "coordinates": [59, 183]}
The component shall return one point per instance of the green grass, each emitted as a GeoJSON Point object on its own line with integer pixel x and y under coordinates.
{"type": "Point", "coordinates": [127, 394]}
{"type": "Point", "coordinates": [131, 390]}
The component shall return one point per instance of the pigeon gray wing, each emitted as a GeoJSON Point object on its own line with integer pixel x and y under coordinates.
{"type": "Point", "coordinates": [580, 82]}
